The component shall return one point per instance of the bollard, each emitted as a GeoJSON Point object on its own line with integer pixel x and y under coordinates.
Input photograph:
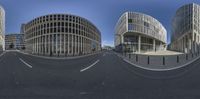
{"type": "Point", "coordinates": [186, 56]}
{"type": "Point", "coordinates": [177, 59]}
{"type": "Point", "coordinates": [163, 60]}
{"type": "Point", "coordinates": [148, 60]}
{"type": "Point", "coordinates": [136, 58]}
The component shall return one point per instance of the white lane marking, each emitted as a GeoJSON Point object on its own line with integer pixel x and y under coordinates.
{"type": "Point", "coordinates": [2, 54]}
{"type": "Point", "coordinates": [25, 63]}
{"type": "Point", "coordinates": [83, 93]}
{"type": "Point", "coordinates": [82, 70]}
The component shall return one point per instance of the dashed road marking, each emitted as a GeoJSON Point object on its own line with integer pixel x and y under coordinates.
{"type": "Point", "coordinates": [82, 70]}
{"type": "Point", "coordinates": [2, 54]}
{"type": "Point", "coordinates": [83, 93]}
{"type": "Point", "coordinates": [25, 63]}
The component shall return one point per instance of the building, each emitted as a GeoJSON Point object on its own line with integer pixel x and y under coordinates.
{"type": "Point", "coordinates": [14, 41]}
{"type": "Point", "coordinates": [61, 35]}
{"type": "Point", "coordinates": [22, 32]}
{"type": "Point", "coordinates": [186, 29]}
{"type": "Point", "coordinates": [138, 33]}
{"type": "Point", "coordinates": [22, 29]}
{"type": "Point", "coordinates": [2, 29]}
{"type": "Point", "coordinates": [106, 47]}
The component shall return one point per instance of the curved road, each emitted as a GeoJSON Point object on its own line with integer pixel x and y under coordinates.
{"type": "Point", "coordinates": [101, 76]}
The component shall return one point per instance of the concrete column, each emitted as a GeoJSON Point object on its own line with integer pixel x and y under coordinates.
{"type": "Point", "coordinates": [84, 45]}
{"type": "Point", "coordinates": [122, 42]}
{"type": "Point", "coordinates": [154, 45]}
{"type": "Point", "coordinates": [190, 44]}
{"type": "Point", "coordinates": [122, 39]}
{"type": "Point", "coordinates": [192, 40]}
{"type": "Point", "coordinates": [38, 45]}
{"type": "Point", "coordinates": [160, 46]}
{"type": "Point", "coordinates": [64, 44]}
{"type": "Point", "coordinates": [34, 44]}
{"type": "Point", "coordinates": [49, 45]}
{"type": "Point", "coordinates": [139, 43]}
{"type": "Point", "coordinates": [53, 43]}
{"type": "Point", "coordinates": [181, 45]}
{"type": "Point", "coordinates": [184, 44]}
{"type": "Point", "coordinates": [78, 44]}
{"type": "Point", "coordinates": [75, 47]}
{"type": "Point", "coordinates": [45, 44]}
{"type": "Point", "coordinates": [72, 45]}
{"type": "Point", "coordinates": [56, 43]}
{"type": "Point", "coordinates": [68, 44]}
{"type": "Point", "coordinates": [81, 44]}
{"type": "Point", "coordinates": [60, 42]}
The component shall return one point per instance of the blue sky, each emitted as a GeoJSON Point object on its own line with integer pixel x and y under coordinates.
{"type": "Point", "coordinates": [103, 13]}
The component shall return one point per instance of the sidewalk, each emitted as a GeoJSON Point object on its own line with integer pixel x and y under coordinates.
{"type": "Point", "coordinates": [60, 58]}
{"type": "Point", "coordinates": [145, 61]}
{"type": "Point", "coordinates": [167, 52]}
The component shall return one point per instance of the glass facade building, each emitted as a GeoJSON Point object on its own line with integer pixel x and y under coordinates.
{"type": "Point", "coordinates": [14, 41]}
{"type": "Point", "coordinates": [61, 35]}
{"type": "Point", "coordinates": [186, 29]}
{"type": "Point", "coordinates": [139, 33]}
{"type": "Point", "coordinates": [2, 29]}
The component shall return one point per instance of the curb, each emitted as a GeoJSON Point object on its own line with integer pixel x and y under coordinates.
{"type": "Point", "coordinates": [61, 58]}
{"type": "Point", "coordinates": [2, 53]}
{"type": "Point", "coordinates": [150, 69]}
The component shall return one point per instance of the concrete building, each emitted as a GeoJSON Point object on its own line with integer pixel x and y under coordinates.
{"type": "Point", "coordinates": [22, 29]}
{"type": "Point", "coordinates": [2, 29]}
{"type": "Point", "coordinates": [61, 35]}
{"type": "Point", "coordinates": [14, 41]}
{"type": "Point", "coordinates": [186, 29]}
{"type": "Point", "coordinates": [139, 33]}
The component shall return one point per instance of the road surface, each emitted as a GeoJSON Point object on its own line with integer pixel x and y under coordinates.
{"type": "Point", "coordinates": [100, 76]}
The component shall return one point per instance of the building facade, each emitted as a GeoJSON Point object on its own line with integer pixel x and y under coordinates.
{"type": "Point", "coordinates": [2, 29]}
{"type": "Point", "coordinates": [139, 33]}
{"type": "Point", "coordinates": [61, 35]}
{"type": "Point", "coordinates": [186, 29]}
{"type": "Point", "coordinates": [14, 41]}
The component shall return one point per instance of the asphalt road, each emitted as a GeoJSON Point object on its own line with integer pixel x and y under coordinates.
{"type": "Point", "coordinates": [100, 76]}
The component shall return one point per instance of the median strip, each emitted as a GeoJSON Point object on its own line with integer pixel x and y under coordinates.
{"type": "Point", "coordinates": [25, 63]}
{"type": "Point", "coordinates": [82, 70]}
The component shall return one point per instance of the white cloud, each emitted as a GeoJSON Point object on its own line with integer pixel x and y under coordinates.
{"type": "Point", "coordinates": [108, 43]}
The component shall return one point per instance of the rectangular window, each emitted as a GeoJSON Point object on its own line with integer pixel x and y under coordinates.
{"type": "Point", "coordinates": [146, 24]}
{"type": "Point", "coordinates": [130, 27]}
{"type": "Point", "coordinates": [130, 21]}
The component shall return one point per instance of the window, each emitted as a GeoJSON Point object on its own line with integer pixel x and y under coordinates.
{"type": "Point", "coordinates": [146, 24]}
{"type": "Point", "coordinates": [130, 21]}
{"type": "Point", "coordinates": [130, 27]}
